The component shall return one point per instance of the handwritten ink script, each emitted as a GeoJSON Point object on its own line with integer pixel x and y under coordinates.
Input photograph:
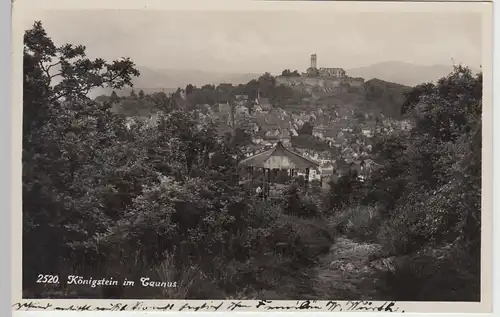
{"type": "Point", "coordinates": [213, 306]}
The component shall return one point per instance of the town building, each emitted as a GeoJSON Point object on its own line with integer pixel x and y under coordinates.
{"type": "Point", "coordinates": [224, 108]}
{"type": "Point", "coordinates": [264, 104]}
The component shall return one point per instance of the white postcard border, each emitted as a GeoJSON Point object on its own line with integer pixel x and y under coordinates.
{"type": "Point", "coordinates": [420, 307]}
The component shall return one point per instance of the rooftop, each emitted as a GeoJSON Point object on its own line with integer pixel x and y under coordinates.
{"type": "Point", "coordinates": [279, 157]}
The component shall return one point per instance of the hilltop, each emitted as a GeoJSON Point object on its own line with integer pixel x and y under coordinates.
{"type": "Point", "coordinates": [168, 80]}
{"type": "Point", "coordinates": [375, 96]}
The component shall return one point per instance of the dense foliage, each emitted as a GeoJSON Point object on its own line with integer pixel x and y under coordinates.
{"type": "Point", "coordinates": [388, 97]}
{"type": "Point", "coordinates": [103, 197]}
{"type": "Point", "coordinates": [289, 73]}
{"type": "Point", "coordinates": [427, 194]}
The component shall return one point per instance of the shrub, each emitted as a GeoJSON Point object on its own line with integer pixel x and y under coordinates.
{"type": "Point", "coordinates": [358, 222]}
{"type": "Point", "coordinates": [344, 192]}
{"type": "Point", "coordinates": [434, 218]}
{"type": "Point", "coordinates": [446, 273]}
{"type": "Point", "coordinates": [297, 204]}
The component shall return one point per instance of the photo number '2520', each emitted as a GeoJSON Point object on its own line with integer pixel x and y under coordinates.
{"type": "Point", "coordinates": [47, 279]}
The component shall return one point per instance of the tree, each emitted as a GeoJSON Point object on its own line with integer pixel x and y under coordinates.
{"type": "Point", "coordinates": [431, 184]}
{"type": "Point", "coordinates": [189, 89]}
{"type": "Point", "coordinates": [162, 102]}
{"type": "Point", "coordinates": [446, 109]}
{"type": "Point", "coordinates": [343, 191]}
{"type": "Point", "coordinates": [114, 97]}
{"type": "Point", "coordinates": [76, 75]}
{"type": "Point", "coordinates": [281, 94]}
{"type": "Point", "coordinates": [266, 84]}
{"type": "Point", "coordinates": [136, 107]}
{"type": "Point", "coordinates": [306, 129]}
{"type": "Point", "coordinates": [141, 94]}
{"type": "Point", "coordinates": [241, 137]}
{"type": "Point", "coordinates": [288, 73]}
{"type": "Point", "coordinates": [62, 129]}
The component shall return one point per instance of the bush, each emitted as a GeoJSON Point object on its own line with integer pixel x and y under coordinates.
{"type": "Point", "coordinates": [358, 222]}
{"type": "Point", "coordinates": [281, 251]}
{"type": "Point", "coordinates": [433, 220]}
{"type": "Point", "coordinates": [297, 204]}
{"type": "Point", "coordinates": [447, 273]}
{"type": "Point", "coordinates": [344, 192]}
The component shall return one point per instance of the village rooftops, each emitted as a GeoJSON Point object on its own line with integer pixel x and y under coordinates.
{"type": "Point", "coordinates": [330, 133]}
{"type": "Point", "coordinates": [279, 157]}
{"type": "Point", "coordinates": [224, 129]}
{"type": "Point", "coordinates": [264, 103]}
{"type": "Point", "coordinates": [241, 97]}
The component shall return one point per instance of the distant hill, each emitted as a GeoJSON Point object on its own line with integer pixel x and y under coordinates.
{"type": "Point", "coordinates": [383, 89]}
{"type": "Point", "coordinates": [402, 73]}
{"type": "Point", "coordinates": [168, 80]}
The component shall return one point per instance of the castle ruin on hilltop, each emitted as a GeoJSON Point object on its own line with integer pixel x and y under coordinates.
{"type": "Point", "coordinates": [323, 72]}
{"type": "Point", "coordinates": [322, 79]}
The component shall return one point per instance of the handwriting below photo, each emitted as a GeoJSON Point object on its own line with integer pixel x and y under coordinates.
{"type": "Point", "coordinates": [386, 307]}
{"type": "Point", "coordinates": [252, 156]}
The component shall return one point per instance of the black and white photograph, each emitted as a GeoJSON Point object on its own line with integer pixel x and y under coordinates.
{"type": "Point", "coordinates": [271, 155]}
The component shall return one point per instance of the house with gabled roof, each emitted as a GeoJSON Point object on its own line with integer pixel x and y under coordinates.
{"type": "Point", "coordinates": [277, 158]}
{"type": "Point", "coordinates": [272, 132]}
{"type": "Point", "coordinates": [284, 134]}
{"type": "Point", "coordinates": [264, 103]}
{"type": "Point", "coordinates": [257, 108]}
{"type": "Point", "coordinates": [330, 135]}
{"type": "Point", "coordinates": [224, 108]}
{"type": "Point", "coordinates": [240, 110]}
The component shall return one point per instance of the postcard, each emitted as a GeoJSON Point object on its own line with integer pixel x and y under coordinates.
{"type": "Point", "coordinates": [252, 156]}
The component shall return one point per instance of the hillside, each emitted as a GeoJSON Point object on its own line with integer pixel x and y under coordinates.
{"type": "Point", "coordinates": [155, 80]}
{"type": "Point", "coordinates": [385, 96]}
{"type": "Point", "coordinates": [377, 96]}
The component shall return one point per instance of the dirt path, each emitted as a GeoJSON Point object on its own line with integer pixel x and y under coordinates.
{"type": "Point", "coordinates": [346, 273]}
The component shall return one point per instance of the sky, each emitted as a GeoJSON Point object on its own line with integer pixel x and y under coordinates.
{"type": "Point", "coordinates": [259, 41]}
